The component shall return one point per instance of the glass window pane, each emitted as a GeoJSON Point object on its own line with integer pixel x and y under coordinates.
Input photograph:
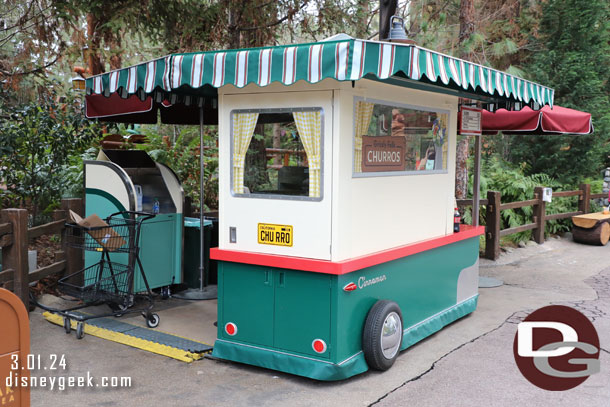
{"type": "Point", "coordinates": [399, 139]}
{"type": "Point", "coordinates": [276, 162]}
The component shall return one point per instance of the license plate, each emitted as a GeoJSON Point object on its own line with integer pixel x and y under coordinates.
{"type": "Point", "coordinates": [277, 235]}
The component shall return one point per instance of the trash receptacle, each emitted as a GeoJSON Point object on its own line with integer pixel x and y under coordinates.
{"type": "Point", "coordinates": [192, 238]}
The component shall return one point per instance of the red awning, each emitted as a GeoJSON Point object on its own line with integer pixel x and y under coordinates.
{"type": "Point", "coordinates": [118, 110]}
{"type": "Point", "coordinates": [133, 110]}
{"type": "Point", "coordinates": [546, 121]}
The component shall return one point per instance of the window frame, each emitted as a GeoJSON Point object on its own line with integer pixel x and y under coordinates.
{"type": "Point", "coordinates": [403, 106]}
{"type": "Point", "coordinates": [279, 196]}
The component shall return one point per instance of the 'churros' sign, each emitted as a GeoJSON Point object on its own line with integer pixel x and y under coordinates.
{"type": "Point", "coordinates": [383, 154]}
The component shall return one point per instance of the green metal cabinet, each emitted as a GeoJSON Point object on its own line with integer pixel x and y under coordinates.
{"type": "Point", "coordinates": [110, 187]}
{"type": "Point", "coordinates": [160, 247]}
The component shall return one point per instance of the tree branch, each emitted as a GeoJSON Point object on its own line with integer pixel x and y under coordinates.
{"type": "Point", "coordinates": [36, 70]}
{"type": "Point", "coordinates": [281, 20]}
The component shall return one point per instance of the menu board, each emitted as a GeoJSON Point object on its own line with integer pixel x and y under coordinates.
{"type": "Point", "coordinates": [470, 123]}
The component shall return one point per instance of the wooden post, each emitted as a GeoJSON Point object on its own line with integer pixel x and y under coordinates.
{"type": "Point", "coordinates": [74, 257]}
{"type": "Point", "coordinates": [15, 256]}
{"type": "Point", "coordinates": [585, 199]}
{"type": "Point", "coordinates": [493, 221]}
{"type": "Point", "coordinates": [539, 214]}
{"type": "Point", "coordinates": [476, 189]}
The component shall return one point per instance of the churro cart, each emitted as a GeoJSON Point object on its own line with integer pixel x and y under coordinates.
{"type": "Point", "coordinates": [338, 251]}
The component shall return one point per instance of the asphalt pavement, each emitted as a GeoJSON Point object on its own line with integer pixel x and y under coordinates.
{"type": "Point", "coordinates": [469, 363]}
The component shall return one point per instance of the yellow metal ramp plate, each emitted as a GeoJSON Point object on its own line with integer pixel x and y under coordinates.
{"type": "Point", "coordinates": [151, 340]}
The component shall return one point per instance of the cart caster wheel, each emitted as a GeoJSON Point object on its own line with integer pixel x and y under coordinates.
{"type": "Point", "coordinates": [80, 330]}
{"type": "Point", "coordinates": [165, 292]}
{"type": "Point", "coordinates": [123, 308]}
{"type": "Point", "coordinates": [382, 335]}
{"type": "Point", "coordinates": [153, 321]}
{"type": "Point", "coordinates": [67, 326]}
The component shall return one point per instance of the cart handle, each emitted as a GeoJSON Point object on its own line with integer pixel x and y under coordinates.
{"type": "Point", "coordinates": [144, 215]}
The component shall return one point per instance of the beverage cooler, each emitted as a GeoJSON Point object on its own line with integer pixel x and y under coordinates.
{"type": "Point", "coordinates": [129, 180]}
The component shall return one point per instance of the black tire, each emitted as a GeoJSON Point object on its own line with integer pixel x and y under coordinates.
{"type": "Point", "coordinates": [153, 321]}
{"type": "Point", "coordinates": [80, 330]}
{"type": "Point", "coordinates": [374, 354]}
{"type": "Point", "coordinates": [67, 326]}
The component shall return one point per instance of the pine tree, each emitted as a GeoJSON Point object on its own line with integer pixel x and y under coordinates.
{"type": "Point", "coordinates": [575, 43]}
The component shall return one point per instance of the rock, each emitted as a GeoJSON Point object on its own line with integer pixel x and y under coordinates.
{"type": "Point", "coordinates": [531, 243]}
{"type": "Point", "coordinates": [508, 249]}
{"type": "Point", "coordinates": [522, 244]}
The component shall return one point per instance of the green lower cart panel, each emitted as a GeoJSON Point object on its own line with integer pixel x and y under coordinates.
{"type": "Point", "coordinates": [272, 317]}
{"type": "Point", "coordinates": [325, 370]}
{"type": "Point", "coordinates": [289, 363]}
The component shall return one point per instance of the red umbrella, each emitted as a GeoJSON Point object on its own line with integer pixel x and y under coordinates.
{"type": "Point", "coordinates": [546, 121]}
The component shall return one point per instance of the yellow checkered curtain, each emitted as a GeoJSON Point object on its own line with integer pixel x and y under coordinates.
{"type": "Point", "coordinates": [364, 112]}
{"type": "Point", "coordinates": [243, 129]}
{"type": "Point", "coordinates": [309, 125]}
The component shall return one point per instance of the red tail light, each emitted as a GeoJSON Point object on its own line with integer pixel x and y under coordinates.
{"type": "Point", "coordinates": [319, 345]}
{"type": "Point", "coordinates": [230, 328]}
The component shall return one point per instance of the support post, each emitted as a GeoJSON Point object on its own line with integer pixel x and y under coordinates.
{"type": "Point", "coordinates": [493, 221]}
{"type": "Point", "coordinates": [15, 256]}
{"type": "Point", "coordinates": [74, 257]}
{"type": "Point", "coordinates": [585, 198]}
{"type": "Point", "coordinates": [476, 188]}
{"type": "Point", "coordinates": [539, 213]}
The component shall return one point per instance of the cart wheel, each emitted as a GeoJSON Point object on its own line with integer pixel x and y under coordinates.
{"type": "Point", "coordinates": [382, 335]}
{"type": "Point", "coordinates": [165, 292]}
{"type": "Point", "coordinates": [80, 330]}
{"type": "Point", "coordinates": [67, 326]}
{"type": "Point", "coordinates": [153, 321]}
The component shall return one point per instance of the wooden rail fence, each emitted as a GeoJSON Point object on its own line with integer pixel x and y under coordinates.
{"type": "Point", "coordinates": [494, 207]}
{"type": "Point", "coordinates": [14, 239]}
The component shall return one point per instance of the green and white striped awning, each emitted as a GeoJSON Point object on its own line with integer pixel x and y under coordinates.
{"type": "Point", "coordinates": [342, 60]}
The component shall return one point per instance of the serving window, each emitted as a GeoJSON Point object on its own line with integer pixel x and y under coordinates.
{"type": "Point", "coordinates": [277, 153]}
{"type": "Point", "coordinates": [390, 138]}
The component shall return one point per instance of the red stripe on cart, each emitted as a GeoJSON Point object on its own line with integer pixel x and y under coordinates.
{"type": "Point", "coordinates": [345, 266]}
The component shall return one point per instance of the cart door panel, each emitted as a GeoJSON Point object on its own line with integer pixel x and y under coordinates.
{"type": "Point", "coordinates": [247, 302]}
{"type": "Point", "coordinates": [158, 252]}
{"type": "Point", "coordinates": [302, 311]}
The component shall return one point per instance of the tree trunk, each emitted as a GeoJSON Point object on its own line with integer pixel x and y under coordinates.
{"type": "Point", "coordinates": [461, 168]}
{"type": "Point", "coordinates": [233, 26]}
{"type": "Point", "coordinates": [387, 8]}
{"type": "Point", "coordinates": [466, 30]}
{"type": "Point", "coordinates": [363, 11]}
{"type": "Point", "coordinates": [466, 24]}
{"type": "Point", "coordinates": [597, 235]}
{"type": "Point", "coordinates": [95, 62]}
{"type": "Point", "coordinates": [277, 142]}
{"type": "Point", "coordinates": [113, 41]}
{"type": "Point", "coordinates": [255, 173]}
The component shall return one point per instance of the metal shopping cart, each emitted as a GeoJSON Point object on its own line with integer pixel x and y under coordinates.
{"type": "Point", "coordinates": [110, 280]}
